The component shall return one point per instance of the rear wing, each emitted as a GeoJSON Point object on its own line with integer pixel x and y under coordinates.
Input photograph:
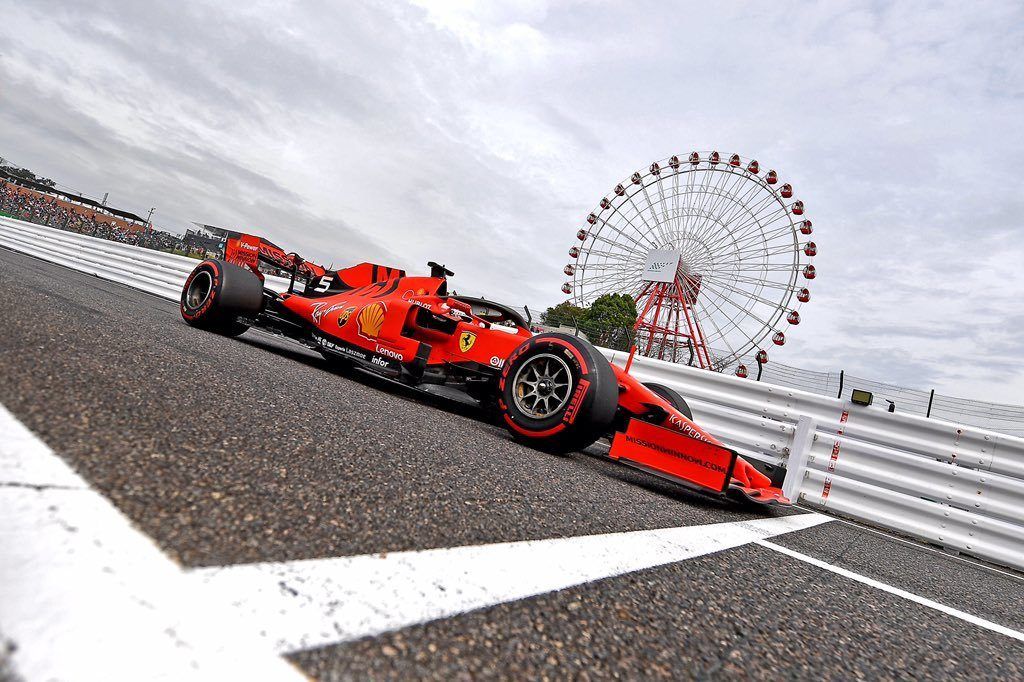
{"type": "Point", "coordinates": [250, 250]}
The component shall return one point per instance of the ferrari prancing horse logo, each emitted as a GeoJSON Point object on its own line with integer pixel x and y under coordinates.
{"type": "Point", "coordinates": [466, 341]}
{"type": "Point", "coordinates": [345, 315]}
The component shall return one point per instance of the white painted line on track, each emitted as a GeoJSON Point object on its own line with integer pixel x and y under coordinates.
{"type": "Point", "coordinates": [311, 603]}
{"type": "Point", "coordinates": [878, 585]}
{"type": "Point", "coordinates": [86, 596]}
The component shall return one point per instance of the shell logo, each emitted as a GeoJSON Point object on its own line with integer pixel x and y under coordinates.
{"type": "Point", "coordinates": [371, 319]}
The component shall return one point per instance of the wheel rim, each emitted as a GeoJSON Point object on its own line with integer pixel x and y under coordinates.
{"type": "Point", "coordinates": [542, 386]}
{"type": "Point", "coordinates": [199, 290]}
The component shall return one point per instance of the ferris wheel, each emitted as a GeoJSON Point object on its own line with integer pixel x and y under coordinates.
{"type": "Point", "coordinates": [716, 253]}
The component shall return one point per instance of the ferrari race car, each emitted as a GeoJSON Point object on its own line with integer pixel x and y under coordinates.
{"type": "Point", "coordinates": [553, 391]}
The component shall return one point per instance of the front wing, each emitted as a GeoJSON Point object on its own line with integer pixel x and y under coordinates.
{"type": "Point", "coordinates": [694, 463]}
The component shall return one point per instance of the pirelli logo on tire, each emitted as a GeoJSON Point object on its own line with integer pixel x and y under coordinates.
{"type": "Point", "coordinates": [573, 408]}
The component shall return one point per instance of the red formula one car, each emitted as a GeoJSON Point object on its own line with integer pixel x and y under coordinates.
{"type": "Point", "coordinates": [554, 391]}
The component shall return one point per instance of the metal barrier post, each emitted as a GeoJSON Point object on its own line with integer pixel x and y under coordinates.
{"type": "Point", "coordinates": [799, 453]}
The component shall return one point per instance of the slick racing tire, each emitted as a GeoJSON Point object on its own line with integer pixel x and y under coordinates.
{"type": "Point", "coordinates": [557, 393]}
{"type": "Point", "coordinates": [216, 293]}
{"type": "Point", "coordinates": [672, 397]}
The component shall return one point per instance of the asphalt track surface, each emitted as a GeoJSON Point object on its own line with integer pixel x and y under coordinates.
{"type": "Point", "coordinates": [228, 451]}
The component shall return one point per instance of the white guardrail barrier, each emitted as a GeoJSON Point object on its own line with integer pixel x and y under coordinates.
{"type": "Point", "coordinates": [955, 486]}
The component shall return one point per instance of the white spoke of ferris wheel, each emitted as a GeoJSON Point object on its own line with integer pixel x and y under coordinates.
{"type": "Point", "coordinates": [772, 267]}
{"type": "Point", "coordinates": [716, 184]}
{"type": "Point", "coordinates": [596, 291]}
{"type": "Point", "coordinates": [618, 212]}
{"type": "Point", "coordinates": [742, 292]}
{"type": "Point", "coordinates": [629, 197]}
{"type": "Point", "coordinates": [651, 206]}
{"type": "Point", "coordinates": [758, 213]}
{"type": "Point", "coordinates": [724, 190]}
{"type": "Point", "coordinates": [621, 280]}
{"type": "Point", "coordinates": [664, 225]}
{"type": "Point", "coordinates": [740, 200]}
{"type": "Point", "coordinates": [683, 224]}
{"type": "Point", "coordinates": [621, 245]}
{"type": "Point", "coordinates": [742, 279]}
{"type": "Point", "coordinates": [753, 256]}
{"type": "Point", "coordinates": [666, 228]}
{"type": "Point", "coordinates": [697, 198]}
{"type": "Point", "coordinates": [615, 228]}
{"type": "Point", "coordinates": [778, 250]}
{"type": "Point", "coordinates": [743, 313]}
{"type": "Point", "coordinates": [648, 205]}
{"type": "Point", "coordinates": [584, 261]}
{"type": "Point", "coordinates": [727, 217]}
{"type": "Point", "coordinates": [755, 185]}
{"type": "Point", "coordinates": [713, 223]}
{"type": "Point", "coordinates": [729, 195]}
{"type": "Point", "coordinates": [749, 227]}
{"type": "Point", "coordinates": [608, 275]}
{"type": "Point", "coordinates": [731, 323]}
{"type": "Point", "coordinates": [609, 269]}
{"type": "Point", "coordinates": [753, 237]}
{"type": "Point", "coordinates": [765, 235]}
{"type": "Point", "coordinates": [675, 201]}
{"type": "Point", "coordinates": [619, 255]}
{"type": "Point", "coordinates": [710, 221]}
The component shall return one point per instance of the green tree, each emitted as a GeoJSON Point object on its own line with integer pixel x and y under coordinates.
{"type": "Point", "coordinates": [607, 322]}
{"type": "Point", "coordinates": [563, 315]}
{"type": "Point", "coordinates": [610, 319]}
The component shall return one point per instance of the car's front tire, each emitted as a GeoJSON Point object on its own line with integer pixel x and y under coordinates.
{"type": "Point", "coordinates": [672, 397]}
{"type": "Point", "coordinates": [557, 393]}
{"type": "Point", "coordinates": [216, 293]}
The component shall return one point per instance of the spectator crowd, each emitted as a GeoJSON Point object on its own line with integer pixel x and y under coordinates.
{"type": "Point", "coordinates": [43, 209]}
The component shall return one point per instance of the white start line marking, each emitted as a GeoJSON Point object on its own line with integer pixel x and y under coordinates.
{"type": "Point", "coordinates": [917, 599]}
{"type": "Point", "coordinates": [85, 596]}
{"type": "Point", "coordinates": [305, 604]}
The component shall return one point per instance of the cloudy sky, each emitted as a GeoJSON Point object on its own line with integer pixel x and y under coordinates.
{"type": "Point", "coordinates": [481, 135]}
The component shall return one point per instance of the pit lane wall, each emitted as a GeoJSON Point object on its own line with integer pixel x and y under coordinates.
{"type": "Point", "coordinates": [955, 486]}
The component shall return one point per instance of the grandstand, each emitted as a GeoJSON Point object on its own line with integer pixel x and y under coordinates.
{"type": "Point", "coordinates": [44, 204]}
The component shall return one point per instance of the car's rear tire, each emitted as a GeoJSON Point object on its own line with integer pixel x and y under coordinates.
{"type": "Point", "coordinates": [216, 293]}
{"type": "Point", "coordinates": [672, 397]}
{"type": "Point", "coordinates": [557, 393]}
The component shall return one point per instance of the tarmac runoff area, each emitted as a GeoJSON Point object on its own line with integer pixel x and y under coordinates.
{"type": "Point", "coordinates": [178, 505]}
